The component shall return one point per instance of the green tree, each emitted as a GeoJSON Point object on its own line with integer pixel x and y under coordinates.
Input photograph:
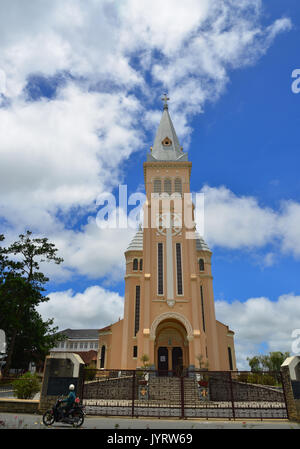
{"type": "Point", "coordinates": [254, 363]}
{"type": "Point", "coordinates": [22, 285]}
{"type": "Point", "coordinates": [270, 362]}
{"type": "Point", "coordinates": [276, 360]}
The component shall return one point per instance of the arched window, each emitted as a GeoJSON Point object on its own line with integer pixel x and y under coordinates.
{"type": "Point", "coordinates": [102, 357]}
{"type": "Point", "coordinates": [201, 264]}
{"type": "Point", "coordinates": [178, 186]}
{"type": "Point", "coordinates": [135, 265]}
{"type": "Point", "coordinates": [141, 264]}
{"type": "Point", "coordinates": [168, 186]}
{"type": "Point", "coordinates": [157, 186]}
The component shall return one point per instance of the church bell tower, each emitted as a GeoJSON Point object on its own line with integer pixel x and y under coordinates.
{"type": "Point", "coordinates": [169, 311]}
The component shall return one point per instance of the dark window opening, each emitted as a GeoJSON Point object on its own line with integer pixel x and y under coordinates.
{"type": "Point", "coordinates": [168, 186]}
{"type": "Point", "coordinates": [102, 357]}
{"type": "Point", "coordinates": [202, 307]}
{"type": "Point", "coordinates": [179, 269]}
{"type": "Point", "coordinates": [137, 309]}
{"type": "Point", "coordinates": [157, 186]}
{"type": "Point", "coordinates": [160, 269]}
{"type": "Point", "coordinates": [135, 264]}
{"type": "Point", "coordinates": [201, 265]}
{"type": "Point", "coordinates": [135, 351]}
{"type": "Point", "coordinates": [178, 185]}
{"type": "Point", "coordinates": [230, 358]}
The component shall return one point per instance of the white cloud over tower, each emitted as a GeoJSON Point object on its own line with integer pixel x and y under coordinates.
{"type": "Point", "coordinates": [58, 154]}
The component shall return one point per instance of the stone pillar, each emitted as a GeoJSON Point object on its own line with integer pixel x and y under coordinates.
{"type": "Point", "coordinates": [289, 395]}
{"type": "Point", "coordinates": [60, 370]}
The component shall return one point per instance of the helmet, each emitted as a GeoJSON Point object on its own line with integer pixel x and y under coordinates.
{"type": "Point", "coordinates": [71, 387]}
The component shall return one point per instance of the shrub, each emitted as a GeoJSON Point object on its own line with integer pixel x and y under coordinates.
{"type": "Point", "coordinates": [90, 374]}
{"type": "Point", "coordinates": [261, 378]}
{"type": "Point", "coordinates": [268, 380]}
{"type": "Point", "coordinates": [26, 386]}
{"type": "Point", "coordinates": [243, 377]}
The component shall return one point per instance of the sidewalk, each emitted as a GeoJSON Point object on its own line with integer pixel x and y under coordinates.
{"type": "Point", "coordinates": [26, 421]}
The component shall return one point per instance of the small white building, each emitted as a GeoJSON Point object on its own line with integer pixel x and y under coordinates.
{"type": "Point", "coordinates": [78, 340]}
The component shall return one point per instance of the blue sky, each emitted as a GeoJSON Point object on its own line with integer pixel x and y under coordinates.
{"type": "Point", "coordinates": [80, 103]}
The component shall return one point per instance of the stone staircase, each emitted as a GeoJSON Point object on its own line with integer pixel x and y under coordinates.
{"type": "Point", "coordinates": [168, 389]}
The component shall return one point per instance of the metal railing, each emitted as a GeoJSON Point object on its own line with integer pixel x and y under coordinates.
{"type": "Point", "coordinates": [190, 394]}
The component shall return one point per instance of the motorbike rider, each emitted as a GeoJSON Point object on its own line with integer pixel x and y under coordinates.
{"type": "Point", "coordinates": [70, 400]}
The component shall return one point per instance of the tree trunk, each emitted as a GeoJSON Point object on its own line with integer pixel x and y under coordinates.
{"type": "Point", "coordinates": [10, 352]}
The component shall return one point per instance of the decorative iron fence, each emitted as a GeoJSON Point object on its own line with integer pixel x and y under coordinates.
{"type": "Point", "coordinates": [192, 394]}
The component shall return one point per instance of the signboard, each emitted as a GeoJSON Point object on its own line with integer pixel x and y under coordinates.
{"type": "Point", "coordinates": [60, 385]}
{"type": "Point", "coordinates": [296, 388]}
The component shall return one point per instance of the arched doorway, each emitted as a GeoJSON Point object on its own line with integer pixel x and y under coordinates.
{"type": "Point", "coordinates": [171, 348]}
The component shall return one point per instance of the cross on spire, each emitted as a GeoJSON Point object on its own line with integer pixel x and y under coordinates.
{"type": "Point", "coordinates": [165, 98]}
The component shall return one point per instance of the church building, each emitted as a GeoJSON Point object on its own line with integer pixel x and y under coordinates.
{"type": "Point", "coordinates": [169, 311]}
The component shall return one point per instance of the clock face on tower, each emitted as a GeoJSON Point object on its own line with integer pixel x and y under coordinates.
{"type": "Point", "coordinates": [167, 221]}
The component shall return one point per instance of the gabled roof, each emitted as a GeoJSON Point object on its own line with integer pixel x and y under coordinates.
{"type": "Point", "coordinates": [80, 333]}
{"type": "Point", "coordinates": [166, 145]}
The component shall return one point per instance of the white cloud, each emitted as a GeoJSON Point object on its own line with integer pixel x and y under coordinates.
{"type": "Point", "coordinates": [81, 38]}
{"type": "Point", "coordinates": [240, 222]}
{"type": "Point", "coordinates": [92, 309]}
{"type": "Point", "coordinates": [64, 152]}
{"type": "Point", "coordinates": [259, 321]}
{"type": "Point", "coordinates": [289, 228]}
{"type": "Point", "coordinates": [237, 222]}
{"type": "Point", "coordinates": [57, 155]}
{"type": "Point", "coordinates": [95, 252]}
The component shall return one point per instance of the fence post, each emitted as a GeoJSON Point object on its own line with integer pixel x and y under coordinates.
{"type": "Point", "coordinates": [82, 384]}
{"type": "Point", "coordinates": [133, 393]}
{"type": "Point", "coordinates": [231, 393]}
{"type": "Point", "coordinates": [288, 394]}
{"type": "Point", "coordinates": [182, 395]}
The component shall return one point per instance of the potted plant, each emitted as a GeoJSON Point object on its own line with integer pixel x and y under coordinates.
{"type": "Point", "coordinates": [143, 374]}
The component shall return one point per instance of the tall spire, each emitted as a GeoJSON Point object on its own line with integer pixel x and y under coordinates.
{"type": "Point", "coordinates": [166, 145]}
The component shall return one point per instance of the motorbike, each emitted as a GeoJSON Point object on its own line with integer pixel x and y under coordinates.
{"type": "Point", "coordinates": [75, 415]}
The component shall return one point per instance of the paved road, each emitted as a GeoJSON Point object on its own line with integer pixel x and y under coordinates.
{"type": "Point", "coordinates": [26, 421]}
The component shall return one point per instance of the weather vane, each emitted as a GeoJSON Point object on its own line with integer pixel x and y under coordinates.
{"type": "Point", "coordinates": [165, 98]}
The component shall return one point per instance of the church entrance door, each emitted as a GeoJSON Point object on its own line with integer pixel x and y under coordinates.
{"type": "Point", "coordinates": [163, 361]}
{"type": "Point", "coordinates": [177, 362]}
